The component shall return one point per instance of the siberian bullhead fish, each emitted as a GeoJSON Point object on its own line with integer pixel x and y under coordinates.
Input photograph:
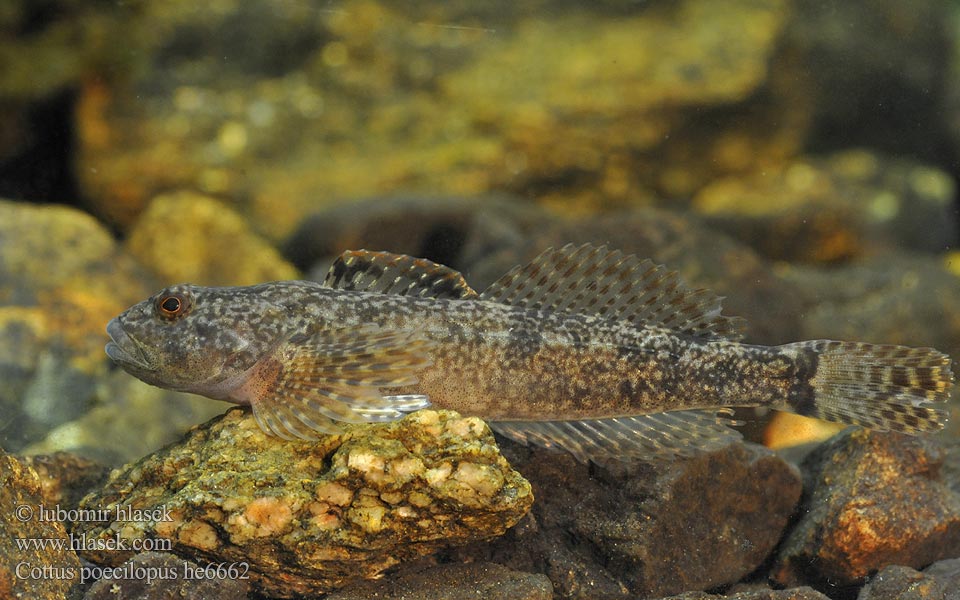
{"type": "Point", "coordinates": [593, 351]}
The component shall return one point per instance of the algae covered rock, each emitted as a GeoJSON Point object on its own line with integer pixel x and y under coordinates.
{"type": "Point", "coordinates": [308, 517]}
{"type": "Point", "coordinates": [873, 500]}
{"type": "Point", "coordinates": [27, 570]}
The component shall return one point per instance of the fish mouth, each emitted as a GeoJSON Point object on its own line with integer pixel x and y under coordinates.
{"type": "Point", "coordinates": [122, 348]}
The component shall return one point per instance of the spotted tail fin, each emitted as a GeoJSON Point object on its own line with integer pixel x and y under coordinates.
{"type": "Point", "coordinates": [886, 388]}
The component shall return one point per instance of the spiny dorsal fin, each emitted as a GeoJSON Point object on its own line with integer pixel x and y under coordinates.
{"type": "Point", "coordinates": [313, 382]}
{"type": "Point", "coordinates": [594, 280]}
{"type": "Point", "coordinates": [398, 274]}
{"type": "Point", "coordinates": [656, 436]}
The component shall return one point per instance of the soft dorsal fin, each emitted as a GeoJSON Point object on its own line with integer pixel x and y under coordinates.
{"type": "Point", "coordinates": [652, 437]}
{"type": "Point", "coordinates": [399, 274]}
{"type": "Point", "coordinates": [594, 280]}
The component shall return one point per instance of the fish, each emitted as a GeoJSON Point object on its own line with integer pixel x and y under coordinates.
{"type": "Point", "coordinates": [585, 349]}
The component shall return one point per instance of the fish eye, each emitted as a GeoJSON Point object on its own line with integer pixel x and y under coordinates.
{"type": "Point", "coordinates": [173, 305]}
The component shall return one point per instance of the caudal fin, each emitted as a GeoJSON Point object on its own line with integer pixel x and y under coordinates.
{"type": "Point", "coordinates": [886, 388]}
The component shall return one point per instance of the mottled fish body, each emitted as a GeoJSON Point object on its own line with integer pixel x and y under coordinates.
{"type": "Point", "coordinates": [596, 352]}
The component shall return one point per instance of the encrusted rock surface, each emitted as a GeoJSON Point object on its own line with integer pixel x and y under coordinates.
{"type": "Point", "coordinates": [623, 531]}
{"type": "Point", "coordinates": [31, 571]}
{"type": "Point", "coordinates": [872, 500]}
{"type": "Point", "coordinates": [309, 517]}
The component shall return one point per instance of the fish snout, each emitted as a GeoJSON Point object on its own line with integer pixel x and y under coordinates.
{"type": "Point", "coordinates": [122, 348]}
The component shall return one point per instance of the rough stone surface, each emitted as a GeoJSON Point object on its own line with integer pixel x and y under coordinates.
{"type": "Point", "coordinates": [489, 581]}
{"type": "Point", "coordinates": [939, 582]}
{"type": "Point", "coordinates": [836, 207]}
{"type": "Point", "coordinates": [799, 593]}
{"type": "Point", "coordinates": [622, 531]}
{"type": "Point", "coordinates": [159, 576]}
{"type": "Point", "coordinates": [872, 500]}
{"type": "Point", "coordinates": [31, 572]}
{"type": "Point", "coordinates": [187, 237]}
{"type": "Point", "coordinates": [62, 277]}
{"type": "Point", "coordinates": [65, 478]}
{"type": "Point", "coordinates": [310, 517]}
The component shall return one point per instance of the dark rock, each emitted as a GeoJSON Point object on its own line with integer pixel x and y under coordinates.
{"type": "Point", "coordinates": [622, 531]}
{"type": "Point", "coordinates": [159, 576]}
{"type": "Point", "coordinates": [872, 500]}
{"type": "Point", "coordinates": [309, 517]}
{"type": "Point", "coordinates": [939, 581]}
{"type": "Point", "coordinates": [800, 593]}
{"type": "Point", "coordinates": [489, 581]}
{"type": "Point", "coordinates": [31, 571]}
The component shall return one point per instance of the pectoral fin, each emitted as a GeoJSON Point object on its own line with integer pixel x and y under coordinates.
{"type": "Point", "coordinates": [311, 383]}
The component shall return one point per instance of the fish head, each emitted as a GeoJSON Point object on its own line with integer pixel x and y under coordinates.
{"type": "Point", "coordinates": [197, 339]}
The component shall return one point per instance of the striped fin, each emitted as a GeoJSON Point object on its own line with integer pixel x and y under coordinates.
{"type": "Point", "coordinates": [313, 382]}
{"type": "Point", "coordinates": [594, 280]}
{"type": "Point", "coordinates": [655, 436]}
{"type": "Point", "coordinates": [397, 274]}
{"type": "Point", "coordinates": [881, 387]}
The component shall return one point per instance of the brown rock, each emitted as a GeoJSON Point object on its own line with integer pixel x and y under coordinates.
{"type": "Point", "coordinates": [939, 581]}
{"type": "Point", "coordinates": [873, 500]}
{"type": "Point", "coordinates": [800, 593]}
{"type": "Point", "coordinates": [31, 571]}
{"type": "Point", "coordinates": [65, 478]}
{"type": "Point", "coordinates": [310, 517]}
{"type": "Point", "coordinates": [624, 531]}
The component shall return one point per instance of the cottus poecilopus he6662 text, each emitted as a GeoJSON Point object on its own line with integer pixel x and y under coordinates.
{"type": "Point", "coordinates": [593, 351]}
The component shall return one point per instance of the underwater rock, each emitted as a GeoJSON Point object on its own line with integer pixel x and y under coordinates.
{"type": "Point", "coordinates": [62, 276]}
{"type": "Point", "coordinates": [160, 576]}
{"type": "Point", "coordinates": [799, 593]}
{"type": "Point", "coordinates": [554, 102]}
{"type": "Point", "coordinates": [31, 571]}
{"type": "Point", "coordinates": [939, 581]}
{"type": "Point", "coordinates": [871, 500]}
{"type": "Point", "coordinates": [489, 581]}
{"type": "Point", "coordinates": [188, 237]}
{"type": "Point", "coordinates": [130, 420]}
{"type": "Point", "coordinates": [65, 478]}
{"type": "Point", "coordinates": [834, 208]}
{"type": "Point", "coordinates": [309, 517]}
{"type": "Point", "coordinates": [628, 530]}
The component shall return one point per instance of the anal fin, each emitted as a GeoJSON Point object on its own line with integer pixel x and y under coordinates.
{"type": "Point", "coordinates": [655, 436]}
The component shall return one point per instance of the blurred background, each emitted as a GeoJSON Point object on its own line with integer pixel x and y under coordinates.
{"type": "Point", "coordinates": [797, 156]}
